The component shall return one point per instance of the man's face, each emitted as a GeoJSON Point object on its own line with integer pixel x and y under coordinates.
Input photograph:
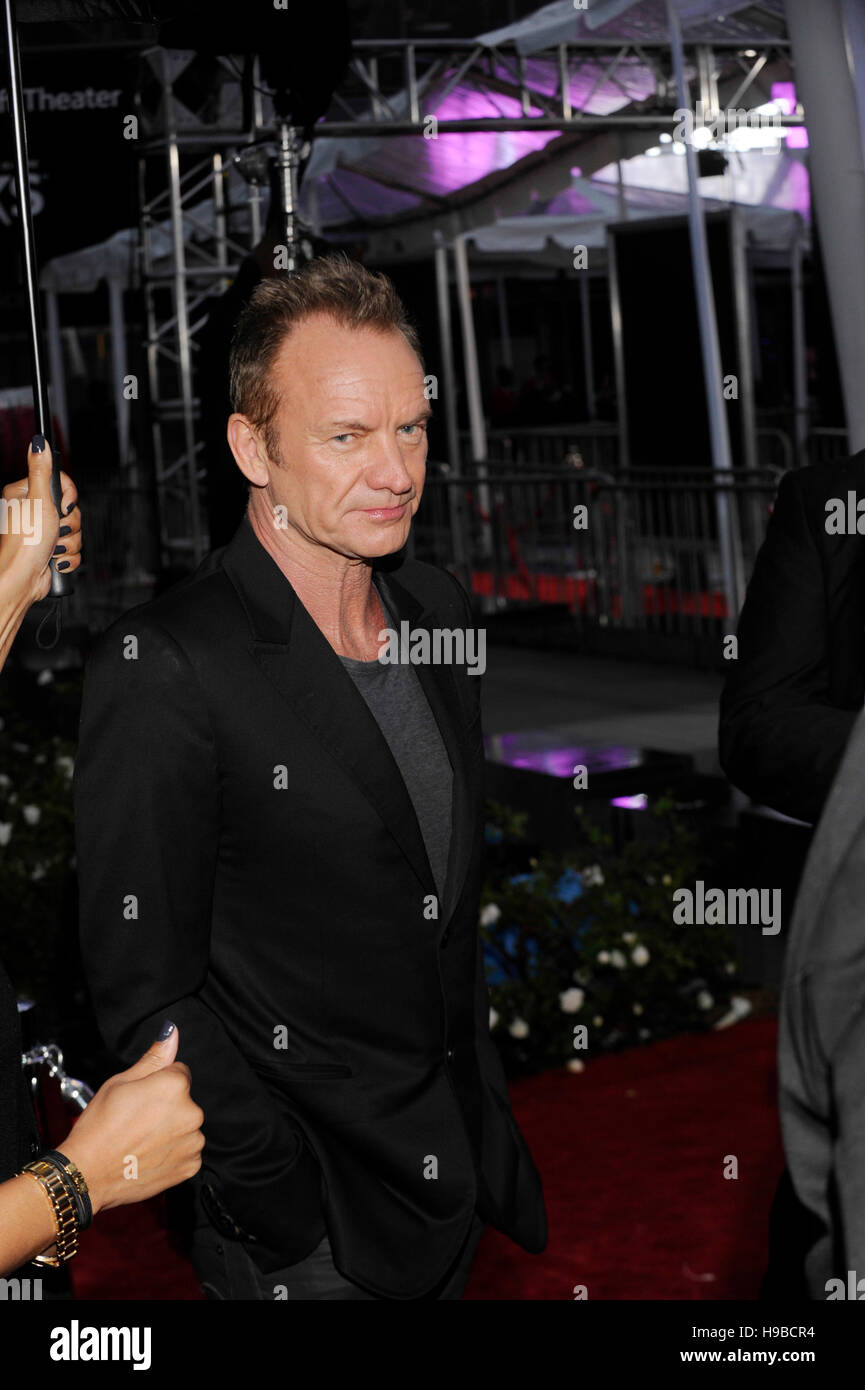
{"type": "Point", "coordinates": [351, 426]}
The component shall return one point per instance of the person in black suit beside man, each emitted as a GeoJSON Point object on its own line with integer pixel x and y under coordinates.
{"type": "Point", "coordinates": [792, 696]}
{"type": "Point", "coordinates": [788, 709]}
{"type": "Point", "coordinates": [279, 836]}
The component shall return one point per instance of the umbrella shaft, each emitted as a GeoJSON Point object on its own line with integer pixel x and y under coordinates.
{"type": "Point", "coordinates": [41, 408]}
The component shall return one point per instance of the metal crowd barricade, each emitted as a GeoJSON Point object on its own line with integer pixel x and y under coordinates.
{"type": "Point", "coordinates": [593, 445]}
{"type": "Point", "coordinates": [644, 555]}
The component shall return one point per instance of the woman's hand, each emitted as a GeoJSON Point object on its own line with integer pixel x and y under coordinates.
{"type": "Point", "coordinates": [140, 1133]}
{"type": "Point", "coordinates": [31, 530]}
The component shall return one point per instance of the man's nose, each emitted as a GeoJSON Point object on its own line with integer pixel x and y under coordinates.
{"type": "Point", "coordinates": [388, 468]}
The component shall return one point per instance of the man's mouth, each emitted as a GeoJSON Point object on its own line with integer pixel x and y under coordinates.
{"type": "Point", "coordinates": [385, 513]}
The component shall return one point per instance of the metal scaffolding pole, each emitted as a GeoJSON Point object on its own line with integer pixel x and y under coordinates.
{"type": "Point", "coordinates": [732, 569]}
{"type": "Point", "coordinates": [449, 385]}
{"type": "Point", "coordinates": [477, 426]}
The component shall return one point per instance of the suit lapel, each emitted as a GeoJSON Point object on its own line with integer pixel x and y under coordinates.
{"type": "Point", "coordinates": [301, 664]}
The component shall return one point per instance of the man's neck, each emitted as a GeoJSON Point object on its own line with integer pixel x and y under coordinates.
{"type": "Point", "coordinates": [336, 591]}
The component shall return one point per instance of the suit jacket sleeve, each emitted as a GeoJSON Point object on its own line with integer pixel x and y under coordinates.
{"type": "Point", "coordinates": [848, 1163]}
{"type": "Point", "coordinates": [147, 834]}
{"type": "Point", "coordinates": [781, 740]}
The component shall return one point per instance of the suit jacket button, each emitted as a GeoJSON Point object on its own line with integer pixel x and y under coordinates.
{"type": "Point", "coordinates": [450, 1054]}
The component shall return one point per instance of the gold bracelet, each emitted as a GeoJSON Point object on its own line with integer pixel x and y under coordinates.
{"type": "Point", "coordinates": [63, 1209]}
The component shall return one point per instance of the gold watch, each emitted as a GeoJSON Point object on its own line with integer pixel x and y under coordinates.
{"type": "Point", "coordinates": [62, 1205]}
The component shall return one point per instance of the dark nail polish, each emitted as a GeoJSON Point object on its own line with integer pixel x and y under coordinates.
{"type": "Point", "coordinates": [63, 564]}
{"type": "Point", "coordinates": [59, 550]}
{"type": "Point", "coordinates": [37, 443]}
{"type": "Point", "coordinates": [64, 531]}
{"type": "Point", "coordinates": [165, 1031]}
{"type": "Point", "coordinates": [70, 508]}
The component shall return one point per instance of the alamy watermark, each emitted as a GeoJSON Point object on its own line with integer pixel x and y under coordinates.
{"type": "Point", "coordinates": [437, 646]}
{"type": "Point", "coordinates": [717, 907]}
{"type": "Point", "coordinates": [21, 516]}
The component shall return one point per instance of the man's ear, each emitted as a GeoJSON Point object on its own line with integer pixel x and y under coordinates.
{"type": "Point", "coordinates": [249, 452]}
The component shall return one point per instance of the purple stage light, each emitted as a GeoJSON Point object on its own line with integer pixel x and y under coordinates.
{"type": "Point", "coordinates": [784, 93]}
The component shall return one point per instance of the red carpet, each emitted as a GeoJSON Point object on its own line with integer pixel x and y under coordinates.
{"type": "Point", "coordinates": [632, 1154]}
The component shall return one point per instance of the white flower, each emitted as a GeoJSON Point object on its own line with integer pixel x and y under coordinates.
{"type": "Point", "coordinates": [597, 1021]}
{"type": "Point", "coordinates": [640, 955]}
{"type": "Point", "coordinates": [739, 1008]}
{"type": "Point", "coordinates": [45, 677]}
{"type": "Point", "coordinates": [31, 814]}
{"type": "Point", "coordinates": [21, 747]}
{"type": "Point", "coordinates": [704, 999]}
{"type": "Point", "coordinates": [38, 872]}
{"type": "Point", "coordinates": [644, 1033]}
{"type": "Point", "coordinates": [571, 1001]}
{"type": "Point", "coordinates": [650, 878]}
{"type": "Point", "coordinates": [666, 880]}
{"type": "Point", "coordinates": [519, 1028]}
{"type": "Point", "coordinates": [618, 960]}
{"type": "Point", "coordinates": [730, 967]}
{"type": "Point", "coordinates": [5, 779]}
{"type": "Point", "coordinates": [494, 1018]}
{"type": "Point", "coordinates": [603, 958]}
{"type": "Point", "coordinates": [490, 914]}
{"type": "Point", "coordinates": [575, 1064]}
{"type": "Point", "coordinates": [5, 831]}
{"type": "Point", "coordinates": [40, 758]}
{"type": "Point", "coordinates": [66, 764]}
{"type": "Point", "coordinates": [593, 876]}
{"type": "Point", "coordinates": [629, 937]}
{"type": "Point", "coordinates": [638, 1008]}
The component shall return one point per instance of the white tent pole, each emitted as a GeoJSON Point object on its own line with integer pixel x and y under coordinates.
{"type": "Point", "coordinates": [474, 402]}
{"type": "Point", "coordinates": [55, 362]}
{"type": "Point", "coordinates": [822, 61]}
{"type": "Point", "coordinates": [722, 460]}
{"type": "Point", "coordinates": [118, 368]}
{"type": "Point", "coordinates": [449, 387]}
{"type": "Point", "coordinates": [620, 189]}
{"type": "Point", "coordinates": [447, 353]}
{"type": "Point", "coordinates": [744, 336]}
{"type": "Point", "coordinates": [477, 426]}
{"type": "Point", "coordinates": [800, 369]}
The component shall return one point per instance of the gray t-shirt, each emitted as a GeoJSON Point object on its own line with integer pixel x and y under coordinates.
{"type": "Point", "coordinates": [400, 707]}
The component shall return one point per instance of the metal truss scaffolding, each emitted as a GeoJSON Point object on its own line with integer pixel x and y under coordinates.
{"type": "Point", "coordinates": [199, 217]}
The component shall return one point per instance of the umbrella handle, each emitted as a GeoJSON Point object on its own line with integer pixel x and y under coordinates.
{"type": "Point", "coordinates": [60, 583]}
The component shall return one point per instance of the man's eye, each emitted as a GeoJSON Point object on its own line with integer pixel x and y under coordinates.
{"type": "Point", "coordinates": [340, 437]}
{"type": "Point", "coordinates": [417, 427]}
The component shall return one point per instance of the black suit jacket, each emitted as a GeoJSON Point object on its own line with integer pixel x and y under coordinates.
{"type": "Point", "coordinates": [251, 867]}
{"type": "Point", "coordinates": [792, 697]}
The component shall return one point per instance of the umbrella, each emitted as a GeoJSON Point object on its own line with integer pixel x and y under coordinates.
{"type": "Point", "coordinates": [60, 583]}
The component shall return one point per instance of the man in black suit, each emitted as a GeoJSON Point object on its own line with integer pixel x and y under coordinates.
{"type": "Point", "coordinates": [789, 705]}
{"type": "Point", "coordinates": [280, 836]}
{"type": "Point", "coordinates": [792, 696]}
